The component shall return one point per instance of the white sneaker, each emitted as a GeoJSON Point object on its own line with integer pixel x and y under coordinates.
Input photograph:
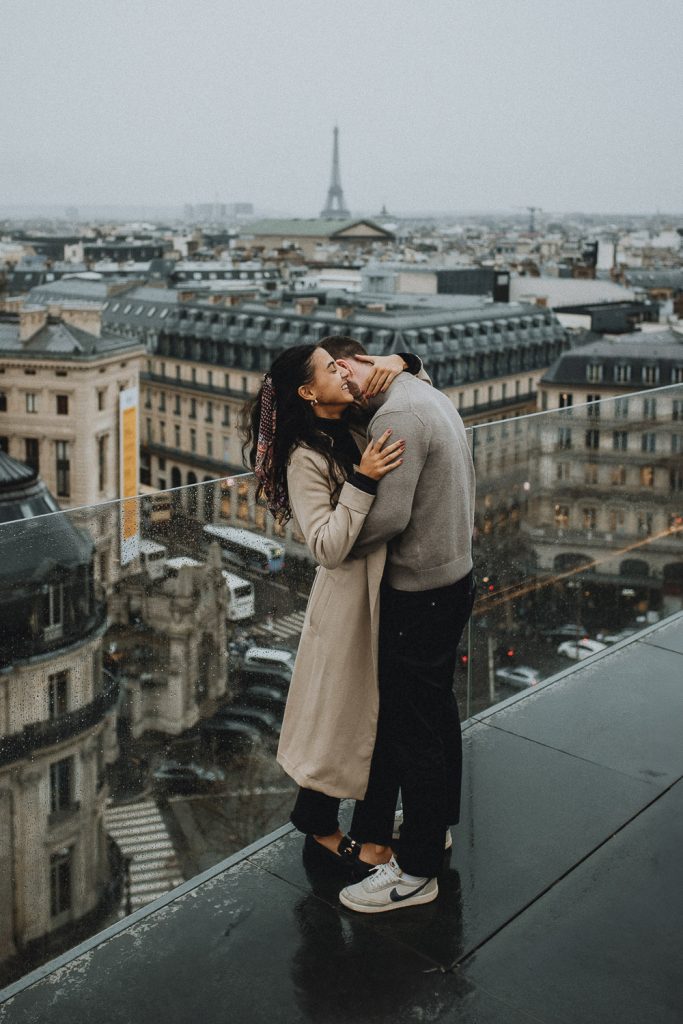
{"type": "Point", "coordinates": [398, 821]}
{"type": "Point", "coordinates": [386, 889]}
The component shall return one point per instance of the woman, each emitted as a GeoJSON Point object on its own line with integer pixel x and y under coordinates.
{"type": "Point", "coordinates": [304, 455]}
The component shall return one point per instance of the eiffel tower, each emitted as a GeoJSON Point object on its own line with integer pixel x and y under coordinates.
{"type": "Point", "coordinates": [334, 207]}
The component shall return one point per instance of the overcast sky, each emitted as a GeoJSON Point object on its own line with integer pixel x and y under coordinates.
{"type": "Point", "coordinates": [441, 104]}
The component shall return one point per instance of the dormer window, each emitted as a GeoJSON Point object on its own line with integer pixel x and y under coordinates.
{"type": "Point", "coordinates": [622, 374]}
{"type": "Point", "coordinates": [594, 373]}
{"type": "Point", "coordinates": [650, 374]}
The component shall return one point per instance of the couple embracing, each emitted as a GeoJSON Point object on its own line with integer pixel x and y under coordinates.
{"type": "Point", "coordinates": [374, 465]}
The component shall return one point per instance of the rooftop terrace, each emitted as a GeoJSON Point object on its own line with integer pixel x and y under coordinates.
{"type": "Point", "coordinates": [561, 901]}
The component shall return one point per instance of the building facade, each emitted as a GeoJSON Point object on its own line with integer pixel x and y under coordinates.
{"type": "Point", "coordinates": [57, 723]}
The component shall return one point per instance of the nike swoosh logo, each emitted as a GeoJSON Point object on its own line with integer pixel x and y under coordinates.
{"type": "Point", "coordinates": [396, 897]}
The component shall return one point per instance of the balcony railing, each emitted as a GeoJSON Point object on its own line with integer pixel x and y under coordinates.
{"type": "Point", "coordinates": [38, 735]}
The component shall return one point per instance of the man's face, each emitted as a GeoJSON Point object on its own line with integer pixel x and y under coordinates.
{"type": "Point", "coordinates": [357, 376]}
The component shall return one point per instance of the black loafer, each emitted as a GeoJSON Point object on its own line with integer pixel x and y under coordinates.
{"type": "Point", "coordinates": [346, 859]}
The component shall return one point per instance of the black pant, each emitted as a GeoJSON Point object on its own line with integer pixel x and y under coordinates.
{"type": "Point", "coordinates": [419, 745]}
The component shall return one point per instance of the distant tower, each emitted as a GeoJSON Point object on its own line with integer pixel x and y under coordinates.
{"type": "Point", "coordinates": [334, 207]}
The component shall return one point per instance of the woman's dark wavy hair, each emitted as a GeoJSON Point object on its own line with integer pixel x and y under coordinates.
{"type": "Point", "coordinates": [296, 424]}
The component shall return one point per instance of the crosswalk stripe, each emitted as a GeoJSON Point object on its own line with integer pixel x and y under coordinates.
{"type": "Point", "coordinates": [141, 833]}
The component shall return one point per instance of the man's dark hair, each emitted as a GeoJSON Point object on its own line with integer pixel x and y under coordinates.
{"type": "Point", "coordinates": [340, 346]}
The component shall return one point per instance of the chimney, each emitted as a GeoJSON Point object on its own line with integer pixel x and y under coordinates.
{"type": "Point", "coordinates": [305, 306]}
{"type": "Point", "coordinates": [375, 307]}
{"type": "Point", "coordinates": [31, 320]}
{"type": "Point", "coordinates": [86, 318]}
{"type": "Point", "coordinates": [344, 312]}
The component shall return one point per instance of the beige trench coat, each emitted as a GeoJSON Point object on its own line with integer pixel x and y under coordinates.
{"type": "Point", "coordinates": [330, 721]}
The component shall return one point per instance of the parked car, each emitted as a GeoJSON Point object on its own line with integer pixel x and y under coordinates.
{"type": "Point", "coordinates": [233, 735]}
{"type": "Point", "coordinates": [565, 631]}
{"type": "Point", "coordinates": [518, 676]}
{"type": "Point", "coordinates": [270, 657]}
{"type": "Point", "coordinates": [614, 638]}
{"type": "Point", "coordinates": [268, 697]}
{"type": "Point", "coordinates": [263, 675]}
{"type": "Point", "coordinates": [577, 650]}
{"type": "Point", "coordinates": [186, 778]}
{"type": "Point", "coordinates": [265, 721]}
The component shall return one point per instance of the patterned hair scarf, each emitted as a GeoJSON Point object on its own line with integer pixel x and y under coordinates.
{"type": "Point", "coordinates": [275, 495]}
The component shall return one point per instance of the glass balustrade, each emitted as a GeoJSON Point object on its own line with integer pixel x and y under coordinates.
{"type": "Point", "coordinates": [141, 696]}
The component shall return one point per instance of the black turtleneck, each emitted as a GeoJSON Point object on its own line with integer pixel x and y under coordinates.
{"type": "Point", "coordinates": [346, 453]}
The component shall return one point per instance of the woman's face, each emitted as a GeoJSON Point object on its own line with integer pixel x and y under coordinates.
{"type": "Point", "coordinates": [328, 386]}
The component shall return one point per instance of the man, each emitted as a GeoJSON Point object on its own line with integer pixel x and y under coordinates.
{"type": "Point", "coordinates": [424, 511]}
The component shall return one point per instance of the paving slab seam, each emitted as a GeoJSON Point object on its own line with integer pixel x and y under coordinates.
{"type": "Point", "coordinates": [569, 753]}
{"type": "Point", "coordinates": [661, 647]}
{"type": "Point", "coordinates": [467, 955]}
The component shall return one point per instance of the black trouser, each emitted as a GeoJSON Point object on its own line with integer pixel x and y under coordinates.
{"type": "Point", "coordinates": [419, 745]}
{"type": "Point", "coordinates": [315, 813]}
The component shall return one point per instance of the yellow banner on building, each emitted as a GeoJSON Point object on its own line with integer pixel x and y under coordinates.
{"type": "Point", "coordinates": [129, 474]}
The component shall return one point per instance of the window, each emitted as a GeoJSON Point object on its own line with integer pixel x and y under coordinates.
{"type": "Point", "coordinates": [622, 374]}
{"type": "Point", "coordinates": [650, 374]}
{"type": "Point", "coordinates": [566, 400]}
{"type": "Point", "coordinates": [590, 517]}
{"type": "Point", "coordinates": [594, 373]}
{"type": "Point", "coordinates": [563, 471]}
{"type": "Point", "coordinates": [57, 694]}
{"type": "Point", "coordinates": [102, 461]}
{"type": "Point", "coordinates": [490, 395]}
{"type": "Point", "coordinates": [516, 389]}
{"type": "Point", "coordinates": [176, 406]}
{"type": "Point", "coordinates": [3, 401]}
{"type": "Point", "coordinates": [148, 430]}
{"type": "Point", "coordinates": [645, 523]}
{"type": "Point", "coordinates": [650, 408]}
{"type": "Point", "coordinates": [162, 432]}
{"type": "Point", "coordinates": [676, 444]}
{"type": "Point", "coordinates": [193, 408]}
{"type": "Point", "coordinates": [621, 409]}
{"type": "Point", "coordinates": [209, 378]}
{"type": "Point", "coordinates": [677, 409]}
{"type": "Point", "coordinates": [31, 401]}
{"type": "Point", "coordinates": [60, 882]}
{"type": "Point", "coordinates": [648, 442]}
{"type": "Point", "coordinates": [677, 375]}
{"type": "Point", "coordinates": [209, 412]}
{"type": "Point", "coordinates": [209, 445]}
{"type": "Point", "coordinates": [564, 438]}
{"type": "Point", "coordinates": [593, 406]}
{"type": "Point", "coordinates": [176, 433]}
{"type": "Point", "coordinates": [503, 391]}
{"type": "Point", "coordinates": [618, 476]}
{"type": "Point", "coordinates": [619, 440]}
{"type": "Point", "coordinates": [194, 375]}
{"type": "Point", "coordinates": [593, 439]}
{"type": "Point", "coordinates": [647, 476]}
{"type": "Point", "coordinates": [61, 780]}
{"type": "Point", "coordinates": [226, 449]}
{"type": "Point", "coordinates": [148, 399]}
{"type": "Point", "coordinates": [562, 517]}
{"type": "Point", "coordinates": [162, 402]}
{"type": "Point", "coordinates": [590, 473]}
{"type": "Point", "coordinates": [676, 478]}
{"type": "Point", "coordinates": [616, 521]}
{"type": "Point", "coordinates": [244, 384]}
{"type": "Point", "coordinates": [193, 439]}
{"type": "Point", "coordinates": [62, 405]}
{"type": "Point", "coordinates": [177, 372]}
{"type": "Point", "coordinates": [100, 399]}
{"type": "Point", "coordinates": [162, 369]}
{"type": "Point", "coordinates": [63, 470]}
{"type": "Point", "coordinates": [544, 400]}
{"type": "Point", "coordinates": [226, 381]}
{"type": "Point", "coordinates": [32, 453]}
{"type": "Point", "coordinates": [226, 416]}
